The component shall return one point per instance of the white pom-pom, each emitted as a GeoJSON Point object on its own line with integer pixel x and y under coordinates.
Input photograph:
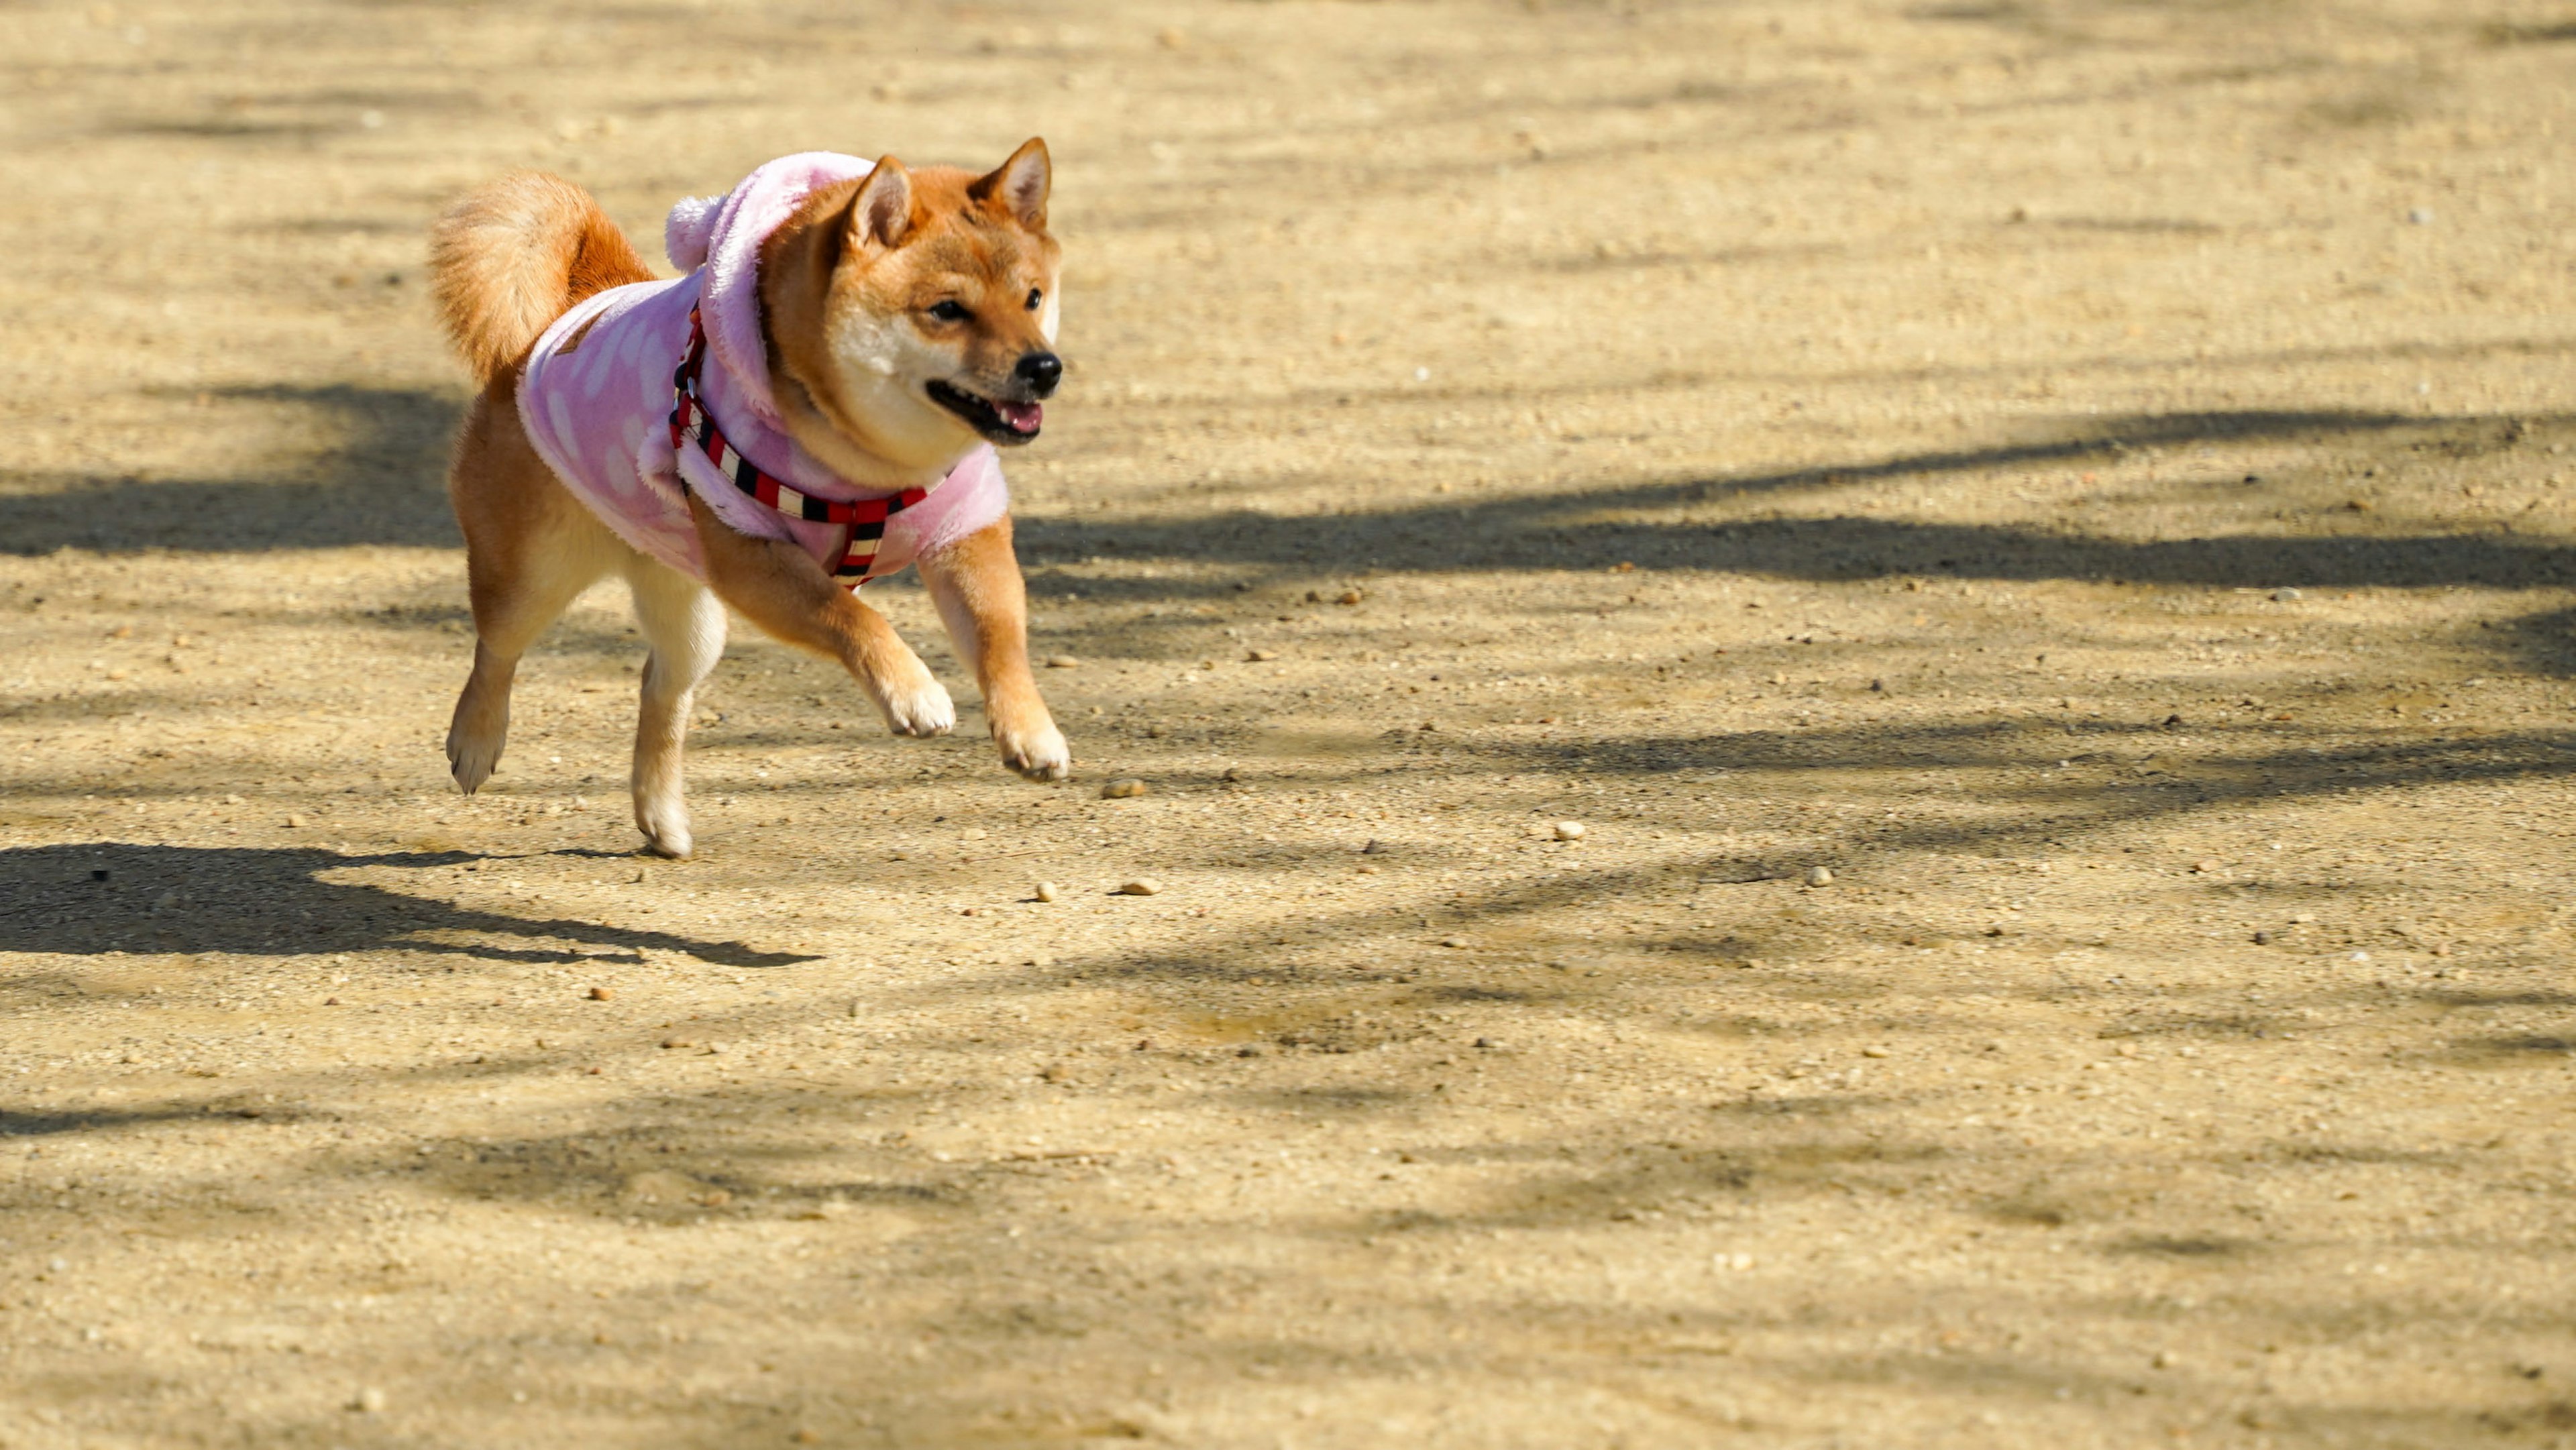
{"type": "Point", "coordinates": [689, 230]}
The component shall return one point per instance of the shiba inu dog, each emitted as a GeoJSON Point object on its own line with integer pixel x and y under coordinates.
{"type": "Point", "coordinates": [819, 395]}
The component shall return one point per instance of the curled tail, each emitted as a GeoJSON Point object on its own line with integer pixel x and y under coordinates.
{"type": "Point", "coordinates": [508, 259]}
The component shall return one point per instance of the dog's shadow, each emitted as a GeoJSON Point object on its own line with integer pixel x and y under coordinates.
{"type": "Point", "coordinates": [101, 897]}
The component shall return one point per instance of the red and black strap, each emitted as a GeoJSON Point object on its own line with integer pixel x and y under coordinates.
{"type": "Point", "coordinates": [690, 421]}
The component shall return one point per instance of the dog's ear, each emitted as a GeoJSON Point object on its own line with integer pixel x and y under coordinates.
{"type": "Point", "coordinates": [881, 214]}
{"type": "Point", "coordinates": [1020, 184]}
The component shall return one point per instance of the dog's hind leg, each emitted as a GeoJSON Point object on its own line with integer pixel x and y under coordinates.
{"type": "Point", "coordinates": [685, 625]}
{"type": "Point", "coordinates": [530, 548]}
{"type": "Point", "coordinates": [506, 621]}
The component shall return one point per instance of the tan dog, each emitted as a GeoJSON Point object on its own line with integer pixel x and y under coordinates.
{"type": "Point", "coordinates": [908, 315]}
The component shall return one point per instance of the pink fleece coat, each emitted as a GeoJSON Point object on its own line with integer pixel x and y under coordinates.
{"type": "Point", "coordinates": [597, 392]}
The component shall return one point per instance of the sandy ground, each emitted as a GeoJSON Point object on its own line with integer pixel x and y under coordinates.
{"type": "Point", "coordinates": [2094, 477]}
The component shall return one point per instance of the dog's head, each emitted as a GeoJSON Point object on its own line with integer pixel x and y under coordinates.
{"type": "Point", "coordinates": [914, 312]}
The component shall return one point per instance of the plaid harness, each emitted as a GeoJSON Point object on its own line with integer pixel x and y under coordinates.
{"type": "Point", "coordinates": [866, 518]}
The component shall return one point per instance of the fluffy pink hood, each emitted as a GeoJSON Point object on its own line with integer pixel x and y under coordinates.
{"type": "Point", "coordinates": [723, 234]}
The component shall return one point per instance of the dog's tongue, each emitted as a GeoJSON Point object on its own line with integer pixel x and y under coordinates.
{"type": "Point", "coordinates": [1023, 417]}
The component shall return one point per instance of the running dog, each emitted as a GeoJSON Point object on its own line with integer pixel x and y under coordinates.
{"type": "Point", "coordinates": [815, 404]}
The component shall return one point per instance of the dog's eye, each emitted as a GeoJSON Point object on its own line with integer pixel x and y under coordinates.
{"type": "Point", "coordinates": [948, 310]}
{"type": "Point", "coordinates": [1033, 299]}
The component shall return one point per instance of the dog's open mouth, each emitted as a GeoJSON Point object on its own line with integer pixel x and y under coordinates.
{"type": "Point", "coordinates": [996, 418]}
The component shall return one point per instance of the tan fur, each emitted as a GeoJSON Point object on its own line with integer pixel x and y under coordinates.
{"type": "Point", "coordinates": [844, 285]}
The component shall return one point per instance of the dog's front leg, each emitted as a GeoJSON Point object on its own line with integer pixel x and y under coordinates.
{"type": "Point", "coordinates": [976, 584]}
{"type": "Point", "coordinates": [780, 588]}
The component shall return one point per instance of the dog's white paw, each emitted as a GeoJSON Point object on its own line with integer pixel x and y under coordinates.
{"type": "Point", "coordinates": [666, 829]}
{"type": "Point", "coordinates": [919, 706]}
{"type": "Point", "coordinates": [1038, 754]}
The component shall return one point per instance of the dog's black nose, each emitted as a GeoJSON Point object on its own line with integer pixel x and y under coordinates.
{"type": "Point", "coordinates": [1041, 371]}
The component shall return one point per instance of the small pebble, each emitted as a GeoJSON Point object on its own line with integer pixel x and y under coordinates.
{"type": "Point", "coordinates": [1049, 891]}
{"type": "Point", "coordinates": [1453, 941]}
{"type": "Point", "coordinates": [1348, 596]}
{"type": "Point", "coordinates": [370, 1401]}
{"type": "Point", "coordinates": [1119, 790]}
{"type": "Point", "coordinates": [602, 994]}
{"type": "Point", "coordinates": [1062, 662]}
{"type": "Point", "coordinates": [1820, 876]}
{"type": "Point", "coordinates": [1256, 656]}
{"type": "Point", "coordinates": [678, 1042]}
{"type": "Point", "coordinates": [1569, 830]}
{"type": "Point", "coordinates": [1141, 886]}
{"type": "Point", "coordinates": [2285, 596]}
{"type": "Point", "coordinates": [294, 821]}
{"type": "Point", "coordinates": [2418, 216]}
{"type": "Point", "coordinates": [1873, 1052]}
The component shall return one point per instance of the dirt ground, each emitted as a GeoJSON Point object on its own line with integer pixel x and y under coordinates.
{"type": "Point", "coordinates": [2094, 477]}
